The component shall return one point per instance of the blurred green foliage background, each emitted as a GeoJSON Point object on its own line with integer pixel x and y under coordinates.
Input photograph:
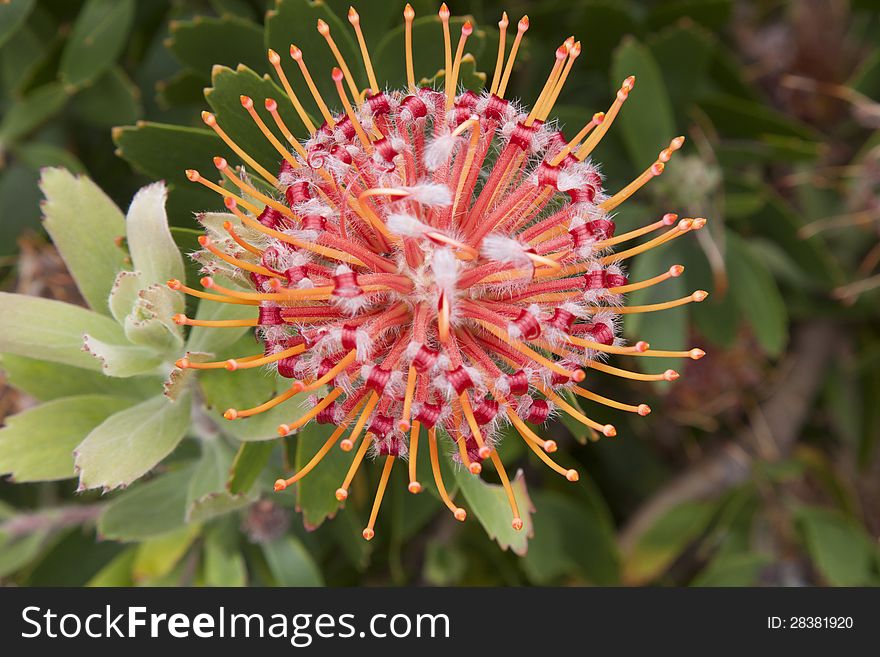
{"type": "Point", "coordinates": [759, 466]}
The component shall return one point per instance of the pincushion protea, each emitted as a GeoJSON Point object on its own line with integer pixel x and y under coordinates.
{"type": "Point", "coordinates": [430, 260]}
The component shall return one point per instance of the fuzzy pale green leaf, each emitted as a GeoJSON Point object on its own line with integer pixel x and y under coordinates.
{"type": "Point", "coordinates": [130, 443]}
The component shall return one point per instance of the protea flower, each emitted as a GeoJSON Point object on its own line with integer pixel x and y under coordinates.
{"type": "Point", "coordinates": [430, 263]}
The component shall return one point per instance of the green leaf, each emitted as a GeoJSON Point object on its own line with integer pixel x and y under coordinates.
{"type": "Point", "coordinates": [84, 224]}
{"type": "Point", "coordinates": [249, 462]}
{"type": "Point", "coordinates": [207, 496]}
{"type": "Point", "coordinates": [646, 121]}
{"type": "Point", "coordinates": [488, 502]}
{"type": "Point", "coordinates": [389, 60]}
{"type": "Point", "coordinates": [223, 562]}
{"type": "Point", "coordinates": [746, 119]}
{"type": "Point", "coordinates": [683, 53]}
{"type": "Point", "coordinates": [757, 296]}
{"type": "Point", "coordinates": [224, 97]}
{"type": "Point", "coordinates": [291, 564]}
{"type": "Point", "coordinates": [315, 493]}
{"type": "Point", "coordinates": [670, 534]}
{"type": "Point", "coordinates": [37, 444]}
{"type": "Point", "coordinates": [156, 557]}
{"type": "Point", "coordinates": [122, 360]}
{"type": "Point", "coordinates": [182, 88]}
{"type": "Point", "coordinates": [117, 572]}
{"type": "Point", "coordinates": [293, 22]}
{"type": "Point", "coordinates": [195, 42]}
{"type": "Point", "coordinates": [13, 14]}
{"type": "Point", "coordinates": [98, 37]}
{"type": "Point", "coordinates": [130, 443]}
{"type": "Point", "coordinates": [570, 539]}
{"type": "Point", "coordinates": [165, 152]}
{"type": "Point", "coordinates": [52, 330]}
{"type": "Point", "coordinates": [713, 14]}
{"type": "Point", "coordinates": [840, 549]}
{"type": "Point", "coordinates": [153, 251]}
{"type": "Point", "coordinates": [38, 155]}
{"type": "Point", "coordinates": [25, 115]}
{"type": "Point", "coordinates": [45, 381]}
{"type": "Point", "coordinates": [151, 323]}
{"type": "Point", "coordinates": [18, 552]}
{"type": "Point", "coordinates": [150, 509]}
{"type": "Point", "coordinates": [124, 294]}
{"type": "Point", "coordinates": [733, 570]}
{"type": "Point", "coordinates": [112, 100]}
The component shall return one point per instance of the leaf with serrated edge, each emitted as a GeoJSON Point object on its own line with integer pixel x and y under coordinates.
{"type": "Point", "coordinates": [130, 443]}
{"type": "Point", "coordinates": [37, 444]}
{"type": "Point", "coordinates": [488, 502]}
{"type": "Point", "coordinates": [84, 224]}
{"type": "Point", "coordinates": [153, 251]}
{"type": "Point", "coordinates": [98, 36]}
{"type": "Point", "coordinates": [124, 294]}
{"type": "Point", "coordinates": [121, 360]}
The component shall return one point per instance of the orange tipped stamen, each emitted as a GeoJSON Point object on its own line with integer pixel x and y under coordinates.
{"type": "Point", "coordinates": [223, 167]}
{"type": "Point", "coordinates": [349, 442]}
{"type": "Point", "coordinates": [607, 429]}
{"type": "Point", "coordinates": [352, 470]}
{"type": "Point", "coordinates": [380, 493]}
{"type": "Point", "coordinates": [296, 55]}
{"type": "Point", "coordinates": [308, 467]}
{"type": "Point", "coordinates": [598, 117]}
{"type": "Point", "coordinates": [607, 119]}
{"type": "Point", "coordinates": [533, 442]}
{"type": "Point", "coordinates": [667, 220]}
{"type": "Point", "coordinates": [457, 511]}
{"type": "Point", "coordinates": [681, 228]}
{"type": "Point", "coordinates": [472, 423]}
{"type": "Point", "coordinates": [641, 409]}
{"type": "Point", "coordinates": [208, 296]}
{"type": "Point", "coordinates": [549, 84]}
{"type": "Point", "coordinates": [521, 28]}
{"type": "Point", "coordinates": [411, 377]}
{"type": "Point", "coordinates": [313, 412]}
{"type": "Point", "coordinates": [182, 320]}
{"type": "Point", "coordinates": [229, 228]}
{"type": "Point", "coordinates": [205, 241]}
{"type": "Point", "coordinates": [408, 15]}
{"type": "Point", "coordinates": [654, 170]}
{"type": "Point", "coordinates": [466, 31]}
{"type": "Point", "coordinates": [573, 54]}
{"type": "Point", "coordinates": [499, 62]}
{"type": "Point", "coordinates": [447, 53]}
{"type": "Point", "coordinates": [211, 121]}
{"type": "Point", "coordinates": [250, 362]}
{"type": "Point", "coordinates": [349, 111]}
{"type": "Point", "coordinates": [275, 61]}
{"type": "Point", "coordinates": [355, 21]}
{"type": "Point", "coordinates": [517, 522]}
{"type": "Point", "coordinates": [695, 297]}
{"type": "Point", "coordinates": [195, 176]}
{"type": "Point", "coordinates": [324, 30]}
{"type": "Point", "coordinates": [272, 107]}
{"type": "Point", "coordinates": [187, 364]}
{"type": "Point", "coordinates": [668, 375]}
{"type": "Point", "coordinates": [265, 406]}
{"type": "Point", "coordinates": [248, 104]}
{"type": "Point", "coordinates": [414, 485]}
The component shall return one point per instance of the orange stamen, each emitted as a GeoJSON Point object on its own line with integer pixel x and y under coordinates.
{"type": "Point", "coordinates": [285, 429]}
{"type": "Point", "coordinates": [499, 62]}
{"type": "Point", "coordinates": [211, 121]}
{"type": "Point", "coordinates": [324, 30]}
{"type": "Point", "coordinates": [275, 61]}
{"type": "Point", "coordinates": [459, 513]}
{"type": "Point", "coordinates": [380, 492]}
{"type": "Point", "coordinates": [521, 28]}
{"type": "Point", "coordinates": [414, 486]}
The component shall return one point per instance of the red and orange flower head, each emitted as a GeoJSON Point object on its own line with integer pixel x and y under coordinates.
{"type": "Point", "coordinates": [432, 260]}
